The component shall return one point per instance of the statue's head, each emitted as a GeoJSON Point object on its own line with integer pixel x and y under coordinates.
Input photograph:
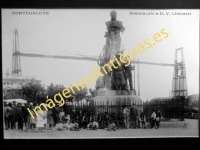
{"type": "Point", "coordinates": [113, 14]}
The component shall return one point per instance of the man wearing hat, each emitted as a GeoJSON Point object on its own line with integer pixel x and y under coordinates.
{"type": "Point", "coordinates": [20, 116]}
{"type": "Point", "coordinates": [6, 115]}
{"type": "Point", "coordinates": [133, 116]}
{"type": "Point", "coordinates": [14, 110]}
{"type": "Point", "coordinates": [27, 116]}
{"type": "Point", "coordinates": [158, 118]}
{"type": "Point", "coordinates": [56, 110]}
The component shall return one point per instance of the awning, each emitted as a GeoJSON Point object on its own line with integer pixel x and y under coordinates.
{"type": "Point", "coordinates": [17, 100]}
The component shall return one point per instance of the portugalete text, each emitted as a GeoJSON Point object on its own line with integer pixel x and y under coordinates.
{"type": "Point", "coordinates": [30, 13]}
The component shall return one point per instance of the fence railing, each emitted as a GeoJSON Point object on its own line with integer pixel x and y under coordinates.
{"type": "Point", "coordinates": [169, 110]}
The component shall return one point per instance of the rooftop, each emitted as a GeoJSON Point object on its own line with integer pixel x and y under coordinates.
{"type": "Point", "coordinates": [17, 77]}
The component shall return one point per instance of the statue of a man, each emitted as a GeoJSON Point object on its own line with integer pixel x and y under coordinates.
{"type": "Point", "coordinates": [112, 46]}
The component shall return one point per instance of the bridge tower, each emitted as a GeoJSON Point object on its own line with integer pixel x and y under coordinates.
{"type": "Point", "coordinates": [16, 62]}
{"type": "Point", "coordinates": [179, 82]}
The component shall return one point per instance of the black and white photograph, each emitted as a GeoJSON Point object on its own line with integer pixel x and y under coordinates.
{"type": "Point", "coordinates": [100, 73]}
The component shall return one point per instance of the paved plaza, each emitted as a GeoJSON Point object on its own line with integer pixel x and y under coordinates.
{"type": "Point", "coordinates": [190, 131]}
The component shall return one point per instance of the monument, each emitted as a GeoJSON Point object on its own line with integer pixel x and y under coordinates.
{"type": "Point", "coordinates": [114, 88]}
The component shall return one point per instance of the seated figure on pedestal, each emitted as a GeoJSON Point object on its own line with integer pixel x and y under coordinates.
{"type": "Point", "coordinates": [118, 76]}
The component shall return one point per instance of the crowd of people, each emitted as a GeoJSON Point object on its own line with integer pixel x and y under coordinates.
{"type": "Point", "coordinates": [17, 116]}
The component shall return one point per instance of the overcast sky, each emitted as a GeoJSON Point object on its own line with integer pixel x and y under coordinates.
{"type": "Point", "coordinates": [83, 30]}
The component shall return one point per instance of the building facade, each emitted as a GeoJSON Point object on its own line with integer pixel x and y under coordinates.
{"type": "Point", "coordinates": [15, 83]}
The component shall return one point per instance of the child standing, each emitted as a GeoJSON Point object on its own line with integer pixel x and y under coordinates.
{"type": "Point", "coordinates": [61, 115]}
{"type": "Point", "coordinates": [40, 121]}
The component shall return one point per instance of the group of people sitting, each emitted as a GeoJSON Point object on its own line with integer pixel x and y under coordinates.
{"type": "Point", "coordinates": [74, 126]}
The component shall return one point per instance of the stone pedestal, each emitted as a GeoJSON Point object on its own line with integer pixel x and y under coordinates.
{"type": "Point", "coordinates": [115, 92]}
{"type": "Point", "coordinates": [132, 92]}
{"type": "Point", "coordinates": [115, 101]}
{"type": "Point", "coordinates": [114, 97]}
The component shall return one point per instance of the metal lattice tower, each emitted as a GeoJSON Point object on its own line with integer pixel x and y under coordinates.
{"type": "Point", "coordinates": [16, 62]}
{"type": "Point", "coordinates": [179, 82]}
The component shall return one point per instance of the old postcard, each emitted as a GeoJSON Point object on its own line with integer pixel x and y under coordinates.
{"type": "Point", "coordinates": [100, 73]}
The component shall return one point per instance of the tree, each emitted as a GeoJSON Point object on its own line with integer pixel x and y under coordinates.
{"type": "Point", "coordinates": [194, 104]}
{"type": "Point", "coordinates": [79, 95]}
{"type": "Point", "coordinates": [12, 94]}
{"type": "Point", "coordinates": [32, 90]}
{"type": "Point", "coordinates": [53, 90]}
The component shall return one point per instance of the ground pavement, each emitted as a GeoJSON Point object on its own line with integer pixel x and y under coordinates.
{"type": "Point", "coordinates": [190, 131]}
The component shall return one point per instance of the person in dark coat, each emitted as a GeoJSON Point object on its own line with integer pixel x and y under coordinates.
{"type": "Point", "coordinates": [56, 111]}
{"type": "Point", "coordinates": [24, 113]}
{"type": "Point", "coordinates": [133, 116]}
{"type": "Point", "coordinates": [142, 120]}
{"type": "Point", "coordinates": [106, 119]}
{"type": "Point", "coordinates": [14, 115]}
{"type": "Point", "coordinates": [78, 119]}
{"type": "Point", "coordinates": [84, 121]}
{"type": "Point", "coordinates": [54, 116]}
{"type": "Point", "coordinates": [90, 118]}
{"type": "Point", "coordinates": [158, 118]}
{"type": "Point", "coordinates": [100, 121]}
{"type": "Point", "coordinates": [114, 118]}
{"type": "Point", "coordinates": [10, 117]}
{"type": "Point", "coordinates": [27, 115]}
{"type": "Point", "coordinates": [7, 112]}
{"type": "Point", "coordinates": [19, 117]}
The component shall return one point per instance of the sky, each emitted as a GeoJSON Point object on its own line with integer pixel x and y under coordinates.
{"type": "Point", "coordinates": [64, 31]}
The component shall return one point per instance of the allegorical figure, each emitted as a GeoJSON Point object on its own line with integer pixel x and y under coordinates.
{"type": "Point", "coordinates": [128, 76]}
{"type": "Point", "coordinates": [112, 46]}
{"type": "Point", "coordinates": [118, 76]}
